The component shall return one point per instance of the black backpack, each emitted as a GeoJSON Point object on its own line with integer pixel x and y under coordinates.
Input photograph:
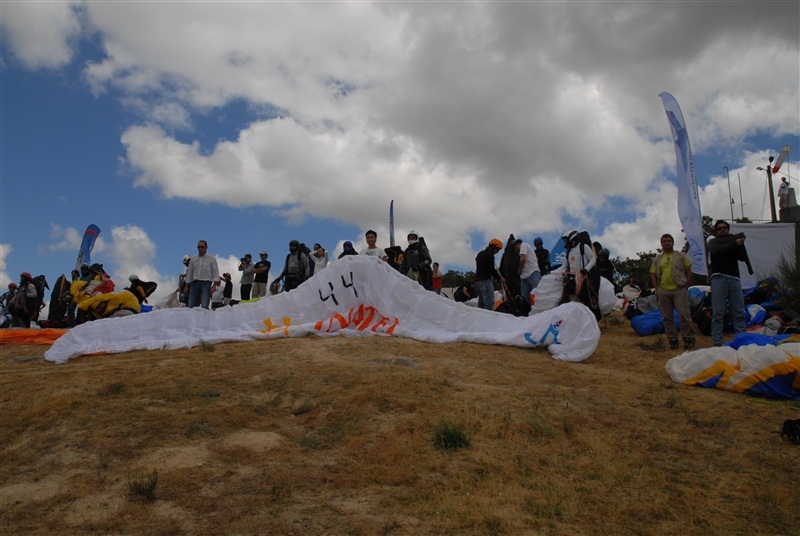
{"type": "Point", "coordinates": [791, 430]}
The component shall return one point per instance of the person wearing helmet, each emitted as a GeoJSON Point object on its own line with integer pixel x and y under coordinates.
{"type": "Point", "coordinates": [295, 269]}
{"type": "Point", "coordinates": [417, 262]}
{"type": "Point", "coordinates": [485, 272]}
{"type": "Point", "coordinates": [26, 302]}
{"type": "Point", "coordinates": [542, 255]}
{"type": "Point", "coordinates": [6, 298]}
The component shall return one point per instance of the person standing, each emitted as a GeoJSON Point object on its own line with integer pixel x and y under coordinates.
{"type": "Point", "coordinates": [295, 270]}
{"type": "Point", "coordinates": [373, 250]}
{"type": "Point", "coordinates": [261, 271]}
{"type": "Point", "coordinates": [416, 263]}
{"type": "Point", "coordinates": [347, 249]}
{"type": "Point", "coordinates": [485, 271]}
{"type": "Point", "coordinates": [319, 257]}
{"type": "Point", "coordinates": [783, 193]}
{"type": "Point", "coordinates": [542, 255]}
{"type": "Point", "coordinates": [529, 272]}
{"type": "Point", "coordinates": [671, 276]}
{"type": "Point", "coordinates": [509, 266]}
{"type": "Point", "coordinates": [202, 277]}
{"type": "Point", "coordinates": [246, 266]}
{"type": "Point", "coordinates": [581, 278]}
{"type": "Point", "coordinates": [726, 251]}
{"type": "Point", "coordinates": [436, 279]}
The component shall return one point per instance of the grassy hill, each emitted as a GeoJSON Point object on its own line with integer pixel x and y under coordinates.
{"type": "Point", "coordinates": [344, 436]}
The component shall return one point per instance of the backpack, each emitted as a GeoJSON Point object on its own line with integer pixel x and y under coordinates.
{"type": "Point", "coordinates": [40, 283]}
{"type": "Point", "coordinates": [791, 430]}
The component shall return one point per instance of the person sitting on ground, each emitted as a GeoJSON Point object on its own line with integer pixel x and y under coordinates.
{"type": "Point", "coordinates": [465, 292]}
{"type": "Point", "coordinates": [632, 290]}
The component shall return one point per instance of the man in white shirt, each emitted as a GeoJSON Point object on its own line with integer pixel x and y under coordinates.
{"type": "Point", "coordinates": [529, 272]}
{"type": "Point", "coordinates": [202, 277]}
{"type": "Point", "coordinates": [372, 250]}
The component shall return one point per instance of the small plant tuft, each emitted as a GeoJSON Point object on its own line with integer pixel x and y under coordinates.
{"type": "Point", "coordinates": [653, 345]}
{"type": "Point", "coordinates": [450, 436]}
{"type": "Point", "coordinates": [111, 389]}
{"type": "Point", "coordinates": [206, 346]}
{"type": "Point", "coordinates": [142, 486]}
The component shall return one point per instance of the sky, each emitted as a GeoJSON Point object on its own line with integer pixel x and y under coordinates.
{"type": "Point", "coordinates": [250, 124]}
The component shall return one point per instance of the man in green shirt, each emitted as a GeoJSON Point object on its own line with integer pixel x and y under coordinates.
{"type": "Point", "coordinates": [671, 275]}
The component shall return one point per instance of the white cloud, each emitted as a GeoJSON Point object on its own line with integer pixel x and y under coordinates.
{"type": "Point", "coordinates": [41, 34]}
{"type": "Point", "coordinates": [476, 118]}
{"type": "Point", "coordinates": [5, 279]}
{"type": "Point", "coordinates": [132, 252]}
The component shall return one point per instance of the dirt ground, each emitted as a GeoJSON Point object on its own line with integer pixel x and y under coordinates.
{"type": "Point", "coordinates": [336, 436]}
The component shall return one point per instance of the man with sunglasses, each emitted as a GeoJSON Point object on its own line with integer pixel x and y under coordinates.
{"type": "Point", "coordinates": [726, 251]}
{"type": "Point", "coordinates": [202, 277]}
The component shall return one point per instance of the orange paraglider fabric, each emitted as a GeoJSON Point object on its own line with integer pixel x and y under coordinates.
{"type": "Point", "coordinates": [30, 336]}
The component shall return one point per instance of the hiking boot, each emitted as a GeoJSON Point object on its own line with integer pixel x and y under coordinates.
{"type": "Point", "coordinates": [673, 343]}
{"type": "Point", "coordinates": [688, 344]}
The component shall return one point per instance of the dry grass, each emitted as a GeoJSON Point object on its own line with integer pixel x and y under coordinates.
{"type": "Point", "coordinates": [335, 436]}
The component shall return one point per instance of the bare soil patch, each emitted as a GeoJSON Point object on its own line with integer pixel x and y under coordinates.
{"type": "Point", "coordinates": [335, 436]}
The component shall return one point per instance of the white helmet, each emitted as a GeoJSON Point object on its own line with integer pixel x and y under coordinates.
{"type": "Point", "coordinates": [186, 259]}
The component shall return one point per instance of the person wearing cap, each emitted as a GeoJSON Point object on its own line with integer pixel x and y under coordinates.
{"type": "Point", "coordinates": [372, 250]}
{"type": "Point", "coordinates": [295, 270]}
{"type": "Point", "coordinates": [485, 271]}
{"type": "Point", "coordinates": [347, 249]}
{"type": "Point", "coordinates": [542, 255]}
{"type": "Point", "coordinates": [202, 277]}
{"type": "Point", "coordinates": [246, 282]}
{"type": "Point", "coordinates": [261, 271]}
{"type": "Point", "coordinates": [416, 263]}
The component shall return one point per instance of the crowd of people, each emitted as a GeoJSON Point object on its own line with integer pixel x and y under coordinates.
{"type": "Point", "coordinates": [520, 271]}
